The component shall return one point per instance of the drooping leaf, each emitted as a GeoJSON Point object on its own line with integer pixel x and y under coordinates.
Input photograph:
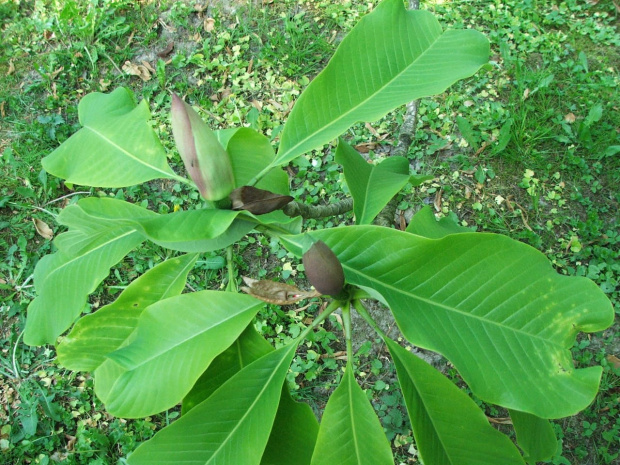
{"type": "Point", "coordinates": [85, 254]}
{"type": "Point", "coordinates": [187, 231]}
{"type": "Point", "coordinates": [392, 56]}
{"type": "Point", "coordinates": [493, 306]}
{"type": "Point", "coordinates": [535, 436]}
{"type": "Point", "coordinates": [425, 224]}
{"type": "Point", "coordinates": [350, 432]}
{"type": "Point", "coordinates": [195, 230]}
{"type": "Point", "coordinates": [448, 426]}
{"type": "Point", "coordinates": [275, 223]}
{"type": "Point", "coordinates": [116, 146]}
{"type": "Point", "coordinates": [295, 427]}
{"type": "Point", "coordinates": [97, 334]}
{"type": "Point", "coordinates": [249, 347]}
{"type": "Point", "coordinates": [231, 426]}
{"type": "Point", "coordinates": [176, 339]}
{"type": "Point", "coordinates": [371, 186]}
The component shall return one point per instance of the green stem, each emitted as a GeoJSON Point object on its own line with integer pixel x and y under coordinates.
{"type": "Point", "coordinates": [232, 283]}
{"type": "Point", "coordinates": [331, 308]}
{"type": "Point", "coordinates": [260, 175]}
{"type": "Point", "coordinates": [360, 294]}
{"type": "Point", "coordinates": [182, 180]}
{"type": "Point", "coordinates": [359, 307]}
{"type": "Point", "coordinates": [346, 321]}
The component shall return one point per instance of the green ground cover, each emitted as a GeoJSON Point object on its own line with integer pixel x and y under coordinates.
{"type": "Point", "coordinates": [529, 147]}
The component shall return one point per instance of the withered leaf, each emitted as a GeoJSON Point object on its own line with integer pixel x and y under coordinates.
{"type": "Point", "coordinates": [137, 70]}
{"type": "Point", "coordinates": [615, 361]}
{"type": "Point", "coordinates": [43, 229]}
{"type": "Point", "coordinates": [167, 51]}
{"type": "Point", "coordinates": [274, 292]}
{"type": "Point", "coordinates": [257, 201]}
{"type": "Point", "coordinates": [570, 117]}
{"type": "Point", "coordinates": [209, 24]}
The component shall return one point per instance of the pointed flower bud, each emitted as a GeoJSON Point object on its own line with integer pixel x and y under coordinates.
{"type": "Point", "coordinates": [205, 159]}
{"type": "Point", "coordinates": [323, 269]}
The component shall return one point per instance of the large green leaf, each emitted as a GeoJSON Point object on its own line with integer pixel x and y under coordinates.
{"type": "Point", "coordinates": [250, 152]}
{"type": "Point", "coordinates": [535, 436]}
{"type": "Point", "coordinates": [371, 186]}
{"type": "Point", "coordinates": [116, 147]}
{"type": "Point", "coordinates": [195, 230]}
{"type": "Point", "coordinates": [392, 56]}
{"type": "Point", "coordinates": [231, 427]}
{"type": "Point", "coordinates": [350, 432]}
{"type": "Point", "coordinates": [85, 254]}
{"type": "Point", "coordinates": [448, 426]}
{"type": "Point", "coordinates": [97, 334]}
{"type": "Point", "coordinates": [249, 347]}
{"type": "Point", "coordinates": [187, 231]}
{"type": "Point", "coordinates": [295, 427]}
{"type": "Point", "coordinates": [493, 306]}
{"type": "Point", "coordinates": [175, 341]}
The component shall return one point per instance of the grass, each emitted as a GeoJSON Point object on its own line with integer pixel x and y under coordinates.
{"type": "Point", "coordinates": [528, 148]}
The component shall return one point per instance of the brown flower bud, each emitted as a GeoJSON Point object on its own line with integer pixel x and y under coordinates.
{"type": "Point", "coordinates": [206, 161]}
{"type": "Point", "coordinates": [323, 269]}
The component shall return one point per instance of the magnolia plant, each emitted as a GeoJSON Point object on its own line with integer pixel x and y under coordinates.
{"type": "Point", "coordinates": [493, 306]}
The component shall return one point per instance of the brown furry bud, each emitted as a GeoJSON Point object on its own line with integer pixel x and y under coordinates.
{"type": "Point", "coordinates": [323, 269]}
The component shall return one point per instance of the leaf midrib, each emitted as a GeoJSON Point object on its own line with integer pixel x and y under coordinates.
{"type": "Point", "coordinates": [91, 251]}
{"type": "Point", "coordinates": [444, 306]}
{"type": "Point", "coordinates": [128, 154]}
{"type": "Point", "coordinates": [183, 341]}
{"type": "Point", "coordinates": [249, 409]}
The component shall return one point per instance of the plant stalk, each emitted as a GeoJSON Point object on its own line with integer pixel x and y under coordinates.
{"type": "Point", "coordinates": [331, 308]}
{"type": "Point", "coordinates": [232, 283]}
{"type": "Point", "coordinates": [363, 312]}
{"type": "Point", "coordinates": [346, 321]}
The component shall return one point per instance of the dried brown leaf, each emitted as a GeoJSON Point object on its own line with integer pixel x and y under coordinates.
{"type": "Point", "coordinates": [615, 361]}
{"type": "Point", "coordinates": [257, 201]}
{"type": "Point", "coordinates": [437, 201]}
{"type": "Point", "coordinates": [366, 147]}
{"type": "Point", "coordinates": [209, 24]}
{"type": "Point", "coordinates": [148, 66]}
{"type": "Point", "coordinates": [372, 130]}
{"type": "Point", "coordinates": [274, 292]}
{"type": "Point", "coordinates": [166, 51]}
{"type": "Point", "coordinates": [570, 117]}
{"type": "Point", "coordinates": [53, 75]}
{"type": "Point", "coordinates": [137, 70]}
{"type": "Point", "coordinates": [43, 229]}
